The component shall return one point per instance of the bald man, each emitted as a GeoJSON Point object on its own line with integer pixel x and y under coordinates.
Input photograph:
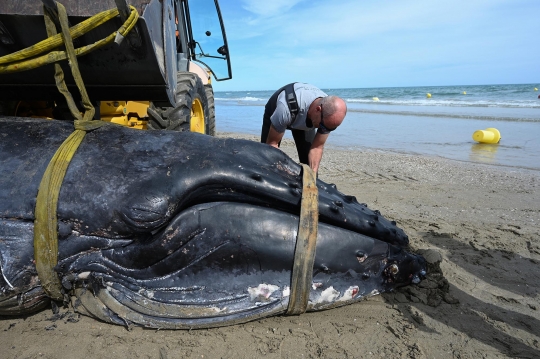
{"type": "Point", "coordinates": [309, 113]}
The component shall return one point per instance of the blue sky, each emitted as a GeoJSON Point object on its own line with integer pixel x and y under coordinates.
{"type": "Point", "coordinates": [384, 43]}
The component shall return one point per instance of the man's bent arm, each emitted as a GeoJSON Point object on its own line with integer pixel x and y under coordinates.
{"type": "Point", "coordinates": [316, 151]}
{"type": "Point", "coordinates": [274, 137]}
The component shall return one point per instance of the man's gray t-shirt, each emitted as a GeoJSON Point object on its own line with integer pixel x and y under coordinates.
{"type": "Point", "coordinates": [305, 95]}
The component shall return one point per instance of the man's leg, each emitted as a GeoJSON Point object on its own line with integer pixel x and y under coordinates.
{"type": "Point", "coordinates": [268, 112]}
{"type": "Point", "coordinates": [265, 128]}
{"type": "Point", "coordinates": [303, 141]}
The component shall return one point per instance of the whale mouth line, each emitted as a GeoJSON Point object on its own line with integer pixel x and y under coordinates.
{"type": "Point", "coordinates": [219, 233]}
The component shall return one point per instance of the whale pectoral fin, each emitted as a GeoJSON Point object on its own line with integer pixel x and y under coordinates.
{"type": "Point", "coordinates": [147, 213]}
{"type": "Point", "coordinates": [85, 302]}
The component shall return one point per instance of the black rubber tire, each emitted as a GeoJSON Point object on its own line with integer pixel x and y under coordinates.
{"type": "Point", "coordinates": [211, 123]}
{"type": "Point", "coordinates": [188, 89]}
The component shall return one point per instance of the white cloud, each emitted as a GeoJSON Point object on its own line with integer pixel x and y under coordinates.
{"type": "Point", "coordinates": [269, 8]}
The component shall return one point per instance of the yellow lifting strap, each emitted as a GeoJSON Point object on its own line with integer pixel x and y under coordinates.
{"type": "Point", "coordinates": [25, 59]}
{"type": "Point", "coordinates": [46, 223]}
{"type": "Point", "coordinates": [306, 243]}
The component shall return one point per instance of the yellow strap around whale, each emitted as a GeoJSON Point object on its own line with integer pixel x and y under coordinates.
{"type": "Point", "coordinates": [46, 223]}
{"type": "Point", "coordinates": [306, 243]}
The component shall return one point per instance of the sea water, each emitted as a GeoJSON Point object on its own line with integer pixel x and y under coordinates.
{"type": "Point", "coordinates": [406, 120]}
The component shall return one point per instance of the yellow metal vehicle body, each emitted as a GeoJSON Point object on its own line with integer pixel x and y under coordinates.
{"type": "Point", "coordinates": [126, 113]}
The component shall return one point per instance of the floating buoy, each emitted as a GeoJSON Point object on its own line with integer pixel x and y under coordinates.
{"type": "Point", "coordinates": [464, 92]}
{"type": "Point", "coordinates": [535, 89]}
{"type": "Point", "coordinates": [375, 99]}
{"type": "Point", "coordinates": [489, 135]}
{"type": "Point", "coordinates": [428, 95]}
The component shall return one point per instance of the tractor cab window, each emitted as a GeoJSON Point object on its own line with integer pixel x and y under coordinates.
{"type": "Point", "coordinates": [208, 43]}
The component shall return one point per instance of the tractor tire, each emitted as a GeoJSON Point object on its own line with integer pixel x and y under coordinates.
{"type": "Point", "coordinates": [194, 110]}
{"type": "Point", "coordinates": [211, 125]}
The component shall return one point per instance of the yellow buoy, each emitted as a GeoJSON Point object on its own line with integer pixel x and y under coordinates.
{"type": "Point", "coordinates": [489, 135]}
{"type": "Point", "coordinates": [535, 89]}
{"type": "Point", "coordinates": [464, 92]}
{"type": "Point", "coordinates": [375, 99]}
{"type": "Point", "coordinates": [428, 95]}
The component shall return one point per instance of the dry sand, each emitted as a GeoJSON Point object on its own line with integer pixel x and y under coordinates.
{"type": "Point", "coordinates": [481, 298]}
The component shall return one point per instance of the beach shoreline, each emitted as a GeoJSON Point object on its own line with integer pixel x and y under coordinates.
{"type": "Point", "coordinates": [404, 120]}
{"type": "Point", "coordinates": [288, 147]}
{"type": "Point", "coordinates": [477, 223]}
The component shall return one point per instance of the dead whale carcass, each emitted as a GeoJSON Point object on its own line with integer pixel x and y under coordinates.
{"type": "Point", "coordinates": [180, 230]}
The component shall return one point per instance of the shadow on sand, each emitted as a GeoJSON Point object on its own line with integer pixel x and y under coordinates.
{"type": "Point", "coordinates": [506, 278]}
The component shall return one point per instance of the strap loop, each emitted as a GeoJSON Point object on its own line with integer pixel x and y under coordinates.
{"type": "Point", "coordinates": [25, 59]}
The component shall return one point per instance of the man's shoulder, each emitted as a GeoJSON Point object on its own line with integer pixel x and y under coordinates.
{"type": "Point", "coordinates": [305, 87]}
{"type": "Point", "coordinates": [281, 117]}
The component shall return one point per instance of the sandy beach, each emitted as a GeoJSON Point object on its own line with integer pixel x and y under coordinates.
{"type": "Point", "coordinates": [477, 225]}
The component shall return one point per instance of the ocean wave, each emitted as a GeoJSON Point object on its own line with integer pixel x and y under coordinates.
{"type": "Point", "coordinates": [240, 99]}
{"type": "Point", "coordinates": [447, 103]}
{"type": "Point", "coordinates": [447, 115]}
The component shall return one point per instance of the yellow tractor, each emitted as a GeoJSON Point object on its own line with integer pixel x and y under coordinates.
{"type": "Point", "coordinates": [145, 64]}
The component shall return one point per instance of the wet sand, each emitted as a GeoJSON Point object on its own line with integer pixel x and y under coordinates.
{"type": "Point", "coordinates": [478, 226]}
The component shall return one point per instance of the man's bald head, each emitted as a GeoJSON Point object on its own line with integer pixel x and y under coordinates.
{"type": "Point", "coordinates": [334, 110]}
